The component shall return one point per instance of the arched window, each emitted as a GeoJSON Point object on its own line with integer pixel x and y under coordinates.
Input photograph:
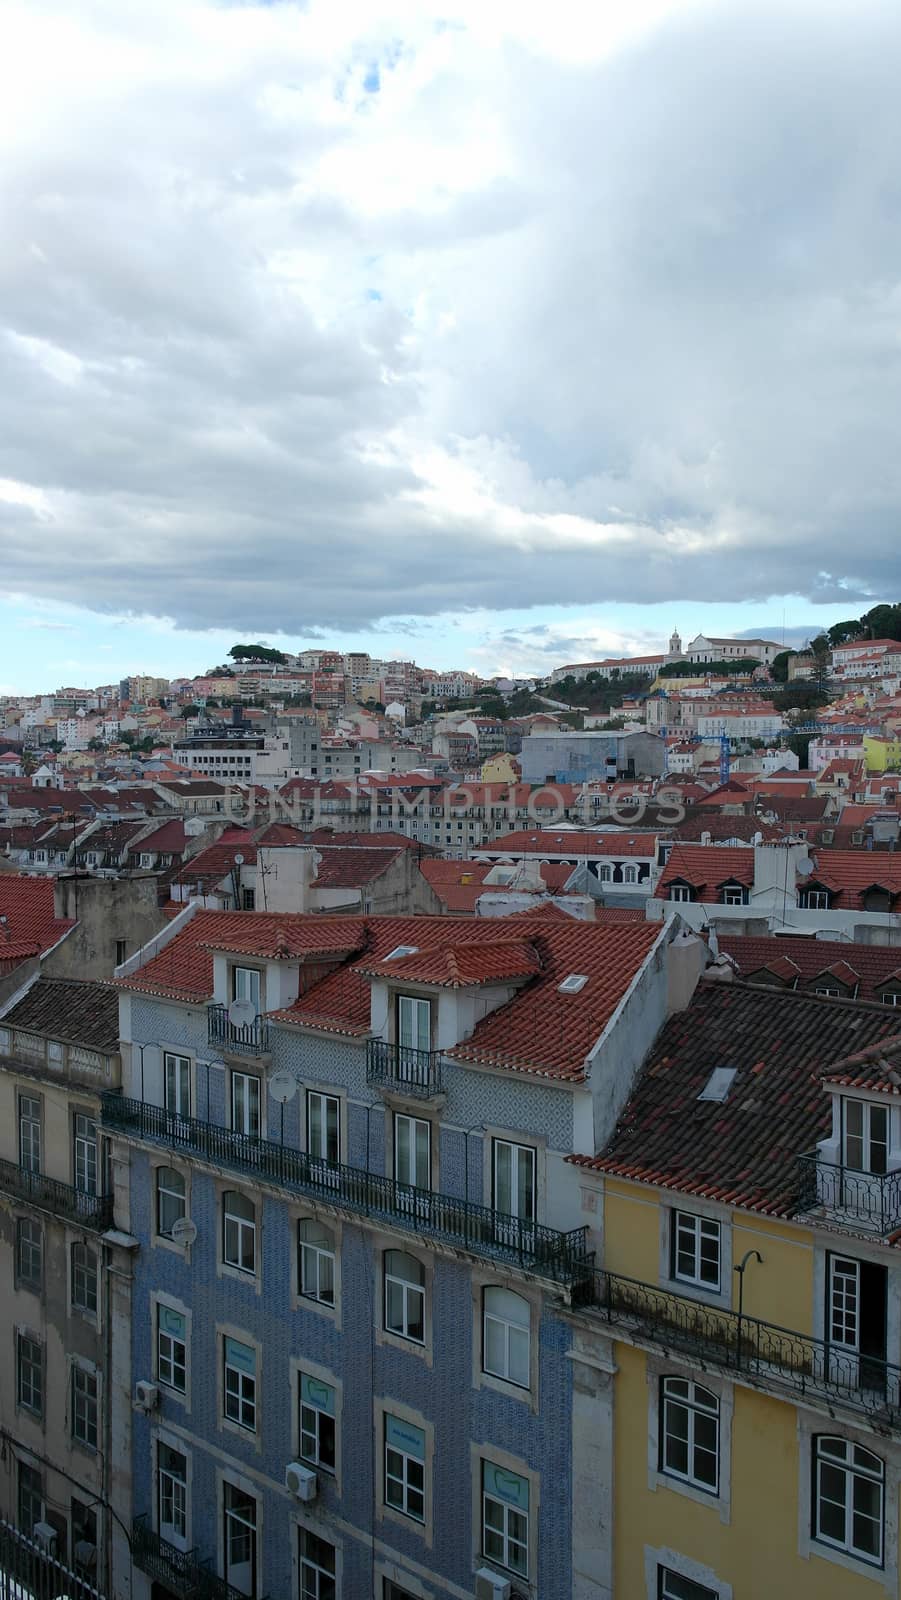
{"type": "Point", "coordinates": [506, 1321]}
{"type": "Point", "coordinates": [690, 1433]}
{"type": "Point", "coordinates": [630, 874]}
{"type": "Point", "coordinates": [239, 1231]}
{"type": "Point", "coordinates": [849, 1498]}
{"type": "Point", "coordinates": [404, 1294]}
{"type": "Point", "coordinates": [605, 872]}
{"type": "Point", "coordinates": [316, 1261]}
{"type": "Point", "coordinates": [171, 1204]}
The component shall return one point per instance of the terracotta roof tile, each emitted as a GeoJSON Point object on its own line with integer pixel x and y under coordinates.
{"type": "Point", "coordinates": [64, 1008]}
{"type": "Point", "coordinates": [460, 966]}
{"type": "Point", "coordinates": [27, 905]}
{"type": "Point", "coordinates": [707, 867]}
{"type": "Point", "coordinates": [742, 1150]}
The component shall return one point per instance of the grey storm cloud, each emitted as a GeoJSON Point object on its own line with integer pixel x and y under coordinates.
{"type": "Point", "coordinates": [655, 357]}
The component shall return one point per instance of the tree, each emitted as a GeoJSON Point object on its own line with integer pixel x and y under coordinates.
{"type": "Point", "coordinates": [800, 744]}
{"type": "Point", "coordinates": [779, 667]}
{"type": "Point", "coordinates": [841, 632]}
{"type": "Point", "coordinates": [257, 652]}
{"type": "Point", "coordinates": [96, 744]}
{"type": "Point", "coordinates": [189, 711]}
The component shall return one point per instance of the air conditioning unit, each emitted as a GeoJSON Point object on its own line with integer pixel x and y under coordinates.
{"type": "Point", "coordinates": [491, 1586]}
{"type": "Point", "coordinates": [147, 1395]}
{"type": "Point", "coordinates": [301, 1481]}
{"type": "Point", "coordinates": [44, 1534]}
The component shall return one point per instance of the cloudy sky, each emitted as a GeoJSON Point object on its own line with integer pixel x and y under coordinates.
{"type": "Point", "coordinates": [492, 332]}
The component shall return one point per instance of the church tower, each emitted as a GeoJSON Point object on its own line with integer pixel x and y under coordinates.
{"type": "Point", "coordinates": [675, 647]}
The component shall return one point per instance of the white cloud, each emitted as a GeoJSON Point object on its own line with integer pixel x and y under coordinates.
{"type": "Point", "coordinates": [330, 314]}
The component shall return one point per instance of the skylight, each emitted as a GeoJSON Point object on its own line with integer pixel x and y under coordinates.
{"type": "Point", "coordinates": [572, 984]}
{"type": "Point", "coordinates": [402, 950]}
{"type": "Point", "coordinates": [718, 1084]}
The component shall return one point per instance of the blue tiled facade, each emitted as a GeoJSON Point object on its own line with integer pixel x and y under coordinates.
{"type": "Point", "coordinates": [465, 1416]}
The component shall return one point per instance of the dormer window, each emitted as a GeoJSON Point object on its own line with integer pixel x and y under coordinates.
{"type": "Point", "coordinates": [246, 986]}
{"type": "Point", "coordinates": [733, 894]}
{"type": "Point", "coordinates": [865, 1136]}
{"type": "Point", "coordinates": [891, 996]}
{"type": "Point", "coordinates": [876, 898]}
{"type": "Point", "coordinates": [681, 893]}
{"type": "Point", "coordinates": [814, 899]}
{"type": "Point", "coordinates": [414, 1023]}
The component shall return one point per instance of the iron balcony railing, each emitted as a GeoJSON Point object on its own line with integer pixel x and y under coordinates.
{"type": "Point", "coordinates": [870, 1201]}
{"type": "Point", "coordinates": [398, 1066]}
{"type": "Point", "coordinates": [246, 1039]}
{"type": "Point", "coordinates": [28, 1572]}
{"type": "Point", "coordinates": [740, 1344]}
{"type": "Point", "coordinates": [92, 1210]}
{"type": "Point", "coordinates": [480, 1230]}
{"type": "Point", "coordinates": [182, 1572]}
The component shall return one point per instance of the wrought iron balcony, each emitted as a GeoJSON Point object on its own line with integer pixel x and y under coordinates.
{"type": "Point", "coordinates": [867, 1201]}
{"type": "Point", "coordinates": [247, 1039]}
{"type": "Point", "coordinates": [29, 1572]}
{"type": "Point", "coordinates": [397, 1066]}
{"type": "Point", "coordinates": [91, 1210]}
{"type": "Point", "coordinates": [480, 1230]}
{"type": "Point", "coordinates": [182, 1571]}
{"type": "Point", "coordinates": [777, 1357]}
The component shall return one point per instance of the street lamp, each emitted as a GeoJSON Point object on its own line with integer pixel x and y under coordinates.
{"type": "Point", "coordinates": [740, 1269]}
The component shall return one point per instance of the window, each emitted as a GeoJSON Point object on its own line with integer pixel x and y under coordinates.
{"type": "Point", "coordinates": [177, 1084]}
{"type": "Point", "coordinates": [630, 874]}
{"type": "Point", "coordinates": [891, 997]}
{"type": "Point", "coordinates": [605, 873]}
{"type": "Point", "coordinates": [172, 1495]}
{"type": "Point", "coordinates": [84, 1406]}
{"type": "Point", "coordinates": [672, 1586]}
{"type": "Point", "coordinates": [413, 1151]}
{"type": "Point", "coordinates": [239, 1232]}
{"type": "Point", "coordinates": [506, 1319]}
{"type": "Point", "coordinates": [414, 1023]}
{"type": "Point", "coordinates": [849, 1492]}
{"type": "Point", "coordinates": [84, 1160]}
{"type": "Point", "coordinates": [245, 1104]}
{"type": "Point", "coordinates": [814, 899]}
{"type": "Point", "coordinates": [240, 1539]}
{"type": "Point", "coordinates": [734, 895]}
{"type": "Point", "coordinates": [30, 1373]}
{"type": "Point", "coordinates": [317, 1422]}
{"type": "Point", "coordinates": [122, 944]}
{"type": "Point", "coordinates": [246, 986]}
{"type": "Point", "coordinates": [865, 1131]}
{"type": "Point", "coordinates": [241, 1384]}
{"type": "Point", "coordinates": [316, 1261]}
{"type": "Point", "coordinates": [681, 893]}
{"type": "Point", "coordinates": [513, 1179]}
{"type": "Point", "coordinates": [404, 1295]}
{"type": "Point", "coordinates": [171, 1203]}
{"type": "Point", "coordinates": [689, 1434]}
{"type": "Point", "coordinates": [31, 1497]}
{"type": "Point", "coordinates": [29, 1252]}
{"type": "Point", "coordinates": [696, 1250]}
{"type": "Point", "coordinates": [29, 1133]}
{"type": "Point", "coordinates": [248, 899]}
{"type": "Point", "coordinates": [323, 1127]}
{"type": "Point", "coordinates": [505, 1518]}
{"type": "Point", "coordinates": [405, 1468]}
{"type": "Point", "coordinates": [317, 1567]}
{"type": "Point", "coordinates": [84, 1278]}
{"type": "Point", "coordinates": [172, 1348]}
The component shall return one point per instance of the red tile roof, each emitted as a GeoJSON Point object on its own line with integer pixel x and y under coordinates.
{"type": "Point", "coordinates": [876, 1067]}
{"type": "Point", "coordinates": [31, 922]}
{"type": "Point", "coordinates": [706, 867]}
{"type": "Point", "coordinates": [850, 873]}
{"type": "Point", "coordinates": [866, 969]}
{"type": "Point", "coordinates": [351, 866]}
{"type": "Point", "coordinates": [462, 966]}
{"type": "Point", "coordinates": [744, 1149]}
{"type": "Point", "coordinates": [183, 970]}
{"type": "Point", "coordinates": [169, 839]}
{"type": "Point", "coordinates": [576, 842]}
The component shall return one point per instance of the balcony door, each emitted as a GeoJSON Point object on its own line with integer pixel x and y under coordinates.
{"type": "Point", "coordinates": [177, 1084]}
{"type": "Point", "coordinates": [412, 1160]}
{"type": "Point", "coordinates": [513, 1190]}
{"type": "Point", "coordinates": [856, 1318]}
{"type": "Point", "coordinates": [414, 1033]}
{"type": "Point", "coordinates": [246, 986]}
{"type": "Point", "coordinates": [245, 1104]}
{"type": "Point", "coordinates": [865, 1137]}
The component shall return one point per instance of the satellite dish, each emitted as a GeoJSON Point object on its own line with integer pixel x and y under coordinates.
{"type": "Point", "coordinates": [804, 868]}
{"type": "Point", "coordinates": [283, 1086]}
{"type": "Point", "coordinates": [184, 1231]}
{"type": "Point", "coordinates": [239, 860]}
{"type": "Point", "coordinates": [241, 1013]}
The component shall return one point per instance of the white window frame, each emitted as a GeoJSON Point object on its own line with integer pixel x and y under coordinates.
{"type": "Point", "coordinates": [29, 1280]}
{"type": "Point", "coordinates": [30, 1376]}
{"type": "Point", "coordinates": [245, 1093]}
{"type": "Point", "coordinates": [403, 1470]}
{"type": "Point", "coordinates": [247, 984]}
{"type": "Point", "coordinates": [512, 1335]}
{"type": "Point", "coordinates": [411, 1162]}
{"type": "Point", "coordinates": [699, 1404]}
{"type": "Point", "coordinates": [815, 900]}
{"type": "Point", "coordinates": [179, 1492]}
{"type": "Point", "coordinates": [323, 1129]}
{"type": "Point", "coordinates": [240, 1389]}
{"type": "Point", "coordinates": [160, 1189]}
{"type": "Point", "coordinates": [680, 894]}
{"type": "Point", "coordinates": [315, 1260]}
{"type": "Point", "coordinates": [313, 1418]}
{"type": "Point", "coordinates": [413, 1020]}
{"type": "Point", "coordinates": [851, 1469]}
{"type": "Point", "coordinates": [177, 1087]}
{"type": "Point", "coordinates": [84, 1152]}
{"type": "Point", "coordinates": [518, 1151]}
{"type": "Point", "coordinates": [315, 1582]}
{"type": "Point", "coordinates": [231, 1517]}
{"type": "Point", "coordinates": [83, 1275]}
{"type": "Point", "coordinates": [411, 1295]}
{"type": "Point", "coordinates": [507, 1538]}
{"type": "Point", "coordinates": [868, 1112]}
{"type": "Point", "coordinates": [665, 1560]}
{"type": "Point", "coordinates": [172, 1350]}
{"type": "Point", "coordinates": [684, 1223]}
{"type": "Point", "coordinates": [236, 1231]}
{"type": "Point", "coordinates": [30, 1131]}
{"type": "Point", "coordinates": [85, 1405]}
